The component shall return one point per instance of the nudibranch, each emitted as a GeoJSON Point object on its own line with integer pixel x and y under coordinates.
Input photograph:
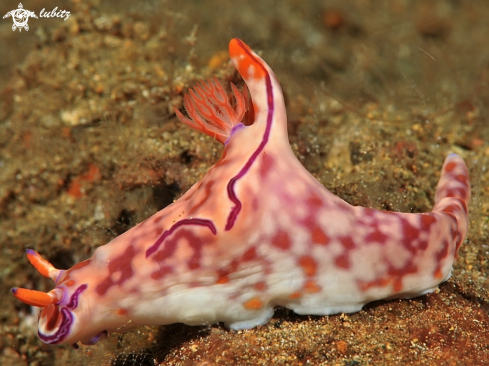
{"type": "Point", "coordinates": [258, 231]}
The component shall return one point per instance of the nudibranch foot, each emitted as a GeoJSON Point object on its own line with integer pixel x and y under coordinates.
{"type": "Point", "coordinates": [262, 318]}
{"type": "Point", "coordinates": [256, 232]}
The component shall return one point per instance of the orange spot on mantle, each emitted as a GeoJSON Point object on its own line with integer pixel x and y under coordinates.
{"type": "Point", "coordinates": [309, 265]}
{"type": "Point", "coordinates": [295, 295]}
{"type": "Point", "coordinates": [253, 304]}
{"type": "Point", "coordinates": [222, 280]}
{"type": "Point", "coordinates": [311, 287]}
{"type": "Point", "coordinates": [398, 285]}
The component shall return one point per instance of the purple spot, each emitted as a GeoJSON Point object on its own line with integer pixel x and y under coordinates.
{"type": "Point", "coordinates": [167, 233]}
{"type": "Point", "coordinates": [235, 129]}
{"type": "Point", "coordinates": [31, 252]}
{"type": "Point", "coordinates": [102, 335]}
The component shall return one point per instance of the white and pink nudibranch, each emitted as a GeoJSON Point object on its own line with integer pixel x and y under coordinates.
{"type": "Point", "coordinates": [256, 232]}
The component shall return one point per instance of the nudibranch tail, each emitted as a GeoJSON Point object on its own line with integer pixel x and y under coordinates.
{"type": "Point", "coordinates": [454, 180]}
{"type": "Point", "coordinates": [268, 107]}
{"type": "Point", "coordinates": [453, 195]}
{"type": "Point", "coordinates": [210, 111]}
{"type": "Point", "coordinates": [249, 65]}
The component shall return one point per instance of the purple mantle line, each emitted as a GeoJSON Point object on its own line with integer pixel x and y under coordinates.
{"type": "Point", "coordinates": [167, 233]}
{"type": "Point", "coordinates": [74, 298]}
{"type": "Point", "coordinates": [64, 328]}
{"type": "Point", "coordinates": [271, 108]}
{"type": "Point", "coordinates": [62, 331]}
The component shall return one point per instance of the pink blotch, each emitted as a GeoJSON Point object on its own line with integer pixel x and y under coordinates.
{"type": "Point", "coordinates": [122, 264]}
{"type": "Point", "coordinates": [347, 242]}
{"type": "Point", "coordinates": [266, 165]}
{"type": "Point", "coordinates": [343, 261]}
{"type": "Point", "coordinates": [281, 240]}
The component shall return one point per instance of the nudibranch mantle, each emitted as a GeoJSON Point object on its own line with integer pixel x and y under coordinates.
{"type": "Point", "coordinates": [256, 232]}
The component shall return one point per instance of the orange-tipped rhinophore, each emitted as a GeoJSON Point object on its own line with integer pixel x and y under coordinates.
{"type": "Point", "coordinates": [45, 268]}
{"type": "Point", "coordinates": [36, 298]}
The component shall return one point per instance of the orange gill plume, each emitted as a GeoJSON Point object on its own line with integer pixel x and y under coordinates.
{"type": "Point", "coordinates": [210, 111]}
